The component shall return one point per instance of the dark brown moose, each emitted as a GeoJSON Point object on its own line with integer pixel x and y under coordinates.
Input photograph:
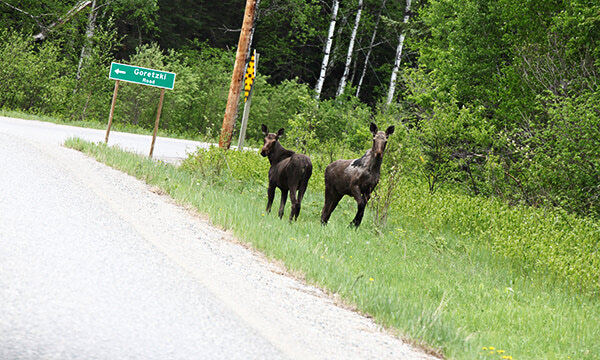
{"type": "Point", "coordinates": [289, 171]}
{"type": "Point", "coordinates": [357, 177]}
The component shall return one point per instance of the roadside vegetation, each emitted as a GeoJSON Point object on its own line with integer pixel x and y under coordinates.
{"type": "Point", "coordinates": [466, 278]}
{"type": "Point", "coordinates": [511, 115]}
{"type": "Point", "coordinates": [484, 232]}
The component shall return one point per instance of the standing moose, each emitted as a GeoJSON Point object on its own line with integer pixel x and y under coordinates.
{"type": "Point", "coordinates": [289, 171]}
{"type": "Point", "coordinates": [357, 177]}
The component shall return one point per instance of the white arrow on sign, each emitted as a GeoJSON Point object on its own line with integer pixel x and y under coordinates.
{"type": "Point", "coordinates": [120, 71]}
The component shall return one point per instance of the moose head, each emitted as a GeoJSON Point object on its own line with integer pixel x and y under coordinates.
{"type": "Point", "coordinates": [270, 140]}
{"type": "Point", "coordinates": [380, 139]}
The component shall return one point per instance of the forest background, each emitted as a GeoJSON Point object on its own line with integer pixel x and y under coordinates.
{"type": "Point", "coordinates": [495, 98]}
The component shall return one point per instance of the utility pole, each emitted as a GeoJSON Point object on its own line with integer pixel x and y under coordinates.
{"type": "Point", "coordinates": [238, 75]}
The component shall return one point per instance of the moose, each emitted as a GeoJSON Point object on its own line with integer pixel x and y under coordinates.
{"type": "Point", "coordinates": [288, 171]}
{"type": "Point", "coordinates": [357, 177]}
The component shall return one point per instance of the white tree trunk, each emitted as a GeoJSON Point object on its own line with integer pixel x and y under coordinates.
{"type": "Point", "coordinates": [398, 56]}
{"type": "Point", "coordinates": [364, 70]}
{"type": "Point", "coordinates": [321, 80]}
{"type": "Point", "coordinates": [89, 34]}
{"type": "Point", "coordinates": [342, 84]}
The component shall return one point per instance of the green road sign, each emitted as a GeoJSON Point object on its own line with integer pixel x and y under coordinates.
{"type": "Point", "coordinates": [140, 75]}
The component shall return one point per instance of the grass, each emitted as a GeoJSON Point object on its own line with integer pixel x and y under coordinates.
{"type": "Point", "coordinates": [434, 273]}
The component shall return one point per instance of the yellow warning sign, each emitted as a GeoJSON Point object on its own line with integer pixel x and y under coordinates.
{"type": "Point", "coordinates": [249, 78]}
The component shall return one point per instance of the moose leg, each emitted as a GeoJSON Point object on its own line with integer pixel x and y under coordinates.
{"type": "Point", "coordinates": [362, 203]}
{"type": "Point", "coordinates": [295, 204]}
{"type": "Point", "coordinates": [284, 194]}
{"type": "Point", "coordinates": [301, 191]}
{"type": "Point", "coordinates": [332, 199]}
{"type": "Point", "coordinates": [270, 196]}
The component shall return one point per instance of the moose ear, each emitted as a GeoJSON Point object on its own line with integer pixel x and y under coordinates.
{"type": "Point", "coordinates": [264, 129]}
{"type": "Point", "coordinates": [390, 130]}
{"type": "Point", "coordinates": [279, 132]}
{"type": "Point", "coordinates": [374, 129]}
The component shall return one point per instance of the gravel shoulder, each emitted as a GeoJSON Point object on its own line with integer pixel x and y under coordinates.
{"type": "Point", "coordinates": [96, 264]}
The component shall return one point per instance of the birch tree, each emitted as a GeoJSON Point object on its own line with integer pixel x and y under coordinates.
{"type": "Point", "coordinates": [371, 44]}
{"type": "Point", "coordinates": [342, 84]}
{"type": "Point", "coordinates": [398, 55]}
{"type": "Point", "coordinates": [319, 86]}
{"type": "Point", "coordinates": [89, 34]}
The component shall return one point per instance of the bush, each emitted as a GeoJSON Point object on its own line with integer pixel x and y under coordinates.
{"type": "Point", "coordinates": [276, 105]}
{"type": "Point", "coordinates": [34, 79]}
{"type": "Point", "coordinates": [563, 156]}
{"type": "Point", "coordinates": [216, 164]}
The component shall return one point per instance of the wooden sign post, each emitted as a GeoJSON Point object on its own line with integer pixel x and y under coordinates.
{"type": "Point", "coordinates": [112, 110]}
{"type": "Point", "coordinates": [143, 76]}
{"type": "Point", "coordinates": [160, 102]}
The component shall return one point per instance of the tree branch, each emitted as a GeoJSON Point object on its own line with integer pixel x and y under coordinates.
{"type": "Point", "coordinates": [24, 12]}
{"type": "Point", "coordinates": [77, 8]}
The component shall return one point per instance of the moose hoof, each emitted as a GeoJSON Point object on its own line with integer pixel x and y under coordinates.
{"type": "Point", "coordinates": [354, 225]}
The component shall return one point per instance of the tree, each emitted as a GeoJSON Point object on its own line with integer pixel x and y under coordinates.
{"type": "Point", "coordinates": [40, 18]}
{"type": "Point", "coordinates": [350, 50]}
{"type": "Point", "coordinates": [370, 49]}
{"type": "Point", "coordinates": [327, 50]}
{"type": "Point", "coordinates": [181, 22]}
{"type": "Point", "coordinates": [392, 88]}
{"type": "Point", "coordinates": [89, 34]}
{"type": "Point", "coordinates": [73, 11]}
{"type": "Point", "coordinates": [289, 37]}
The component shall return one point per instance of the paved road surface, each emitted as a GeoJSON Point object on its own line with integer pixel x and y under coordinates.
{"type": "Point", "coordinates": [95, 265]}
{"type": "Point", "coordinates": [165, 149]}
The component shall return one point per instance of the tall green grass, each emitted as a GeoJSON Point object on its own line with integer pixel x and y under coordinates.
{"type": "Point", "coordinates": [437, 272]}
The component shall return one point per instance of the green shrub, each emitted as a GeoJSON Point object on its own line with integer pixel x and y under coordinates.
{"type": "Point", "coordinates": [33, 78]}
{"type": "Point", "coordinates": [550, 242]}
{"type": "Point", "coordinates": [215, 164]}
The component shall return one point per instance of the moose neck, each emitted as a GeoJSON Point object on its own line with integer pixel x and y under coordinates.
{"type": "Point", "coordinates": [278, 153]}
{"type": "Point", "coordinates": [373, 162]}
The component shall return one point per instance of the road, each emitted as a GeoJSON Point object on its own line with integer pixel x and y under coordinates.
{"type": "Point", "coordinates": [165, 149]}
{"type": "Point", "coordinates": [94, 264]}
